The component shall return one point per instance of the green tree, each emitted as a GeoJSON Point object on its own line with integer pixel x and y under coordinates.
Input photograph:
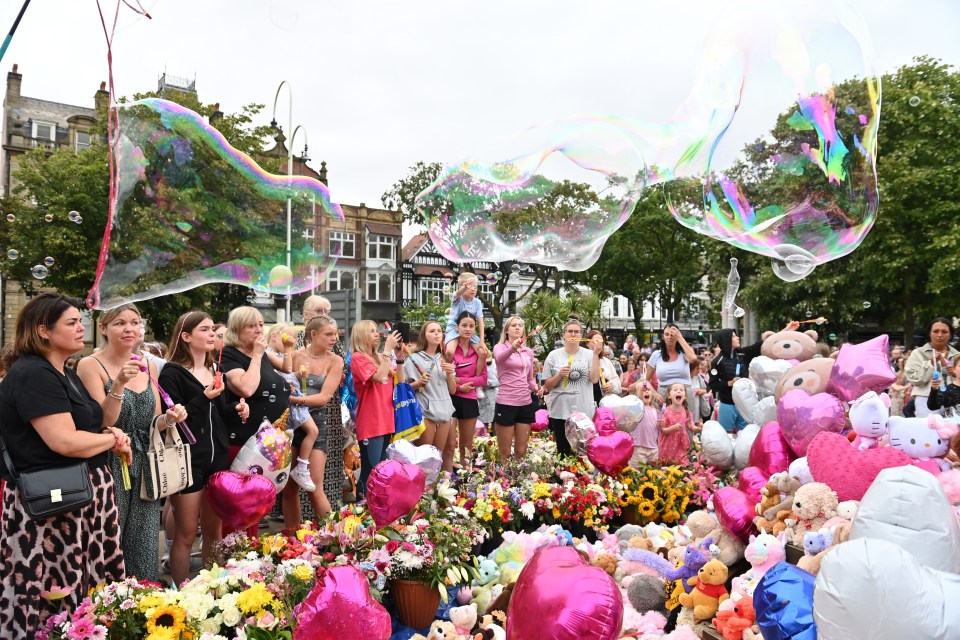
{"type": "Point", "coordinates": [550, 312]}
{"type": "Point", "coordinates": [53, 183]}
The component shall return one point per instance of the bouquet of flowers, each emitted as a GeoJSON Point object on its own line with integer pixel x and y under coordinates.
{"type": "Point", "coordinates": [578, 494]}
{"type": "Point", "coordinates": [657, 494]}
{"type": "Point", "coordinates": [705, 479]}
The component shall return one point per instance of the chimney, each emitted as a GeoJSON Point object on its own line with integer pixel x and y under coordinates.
{"type": "Point", "coordinates": [14, 80]}
{"type": "Point", "coordinates": [323, 172]}
{"type": "Point", "coordinates": [101, 100]}
{"type": "Point", "coordinates": [216, 115]}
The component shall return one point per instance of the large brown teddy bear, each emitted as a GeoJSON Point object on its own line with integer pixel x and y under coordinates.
{"type": "Point", "coordinates": [704, 525]}
{"type": "Point", "coordinates": [813, 505]}
{"type": "Point", "coordinates": [708, 591]}
{"type": "Point", "coordinates": [789, 345]}
{"type": "Point", "coordinates": [812, 376]}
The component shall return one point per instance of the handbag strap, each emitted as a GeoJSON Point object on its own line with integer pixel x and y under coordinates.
{"type": "Point", "coordinates": [6, 457]}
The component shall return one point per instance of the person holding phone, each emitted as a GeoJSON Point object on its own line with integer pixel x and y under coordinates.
{"type": "Point", "coordinates": [931, 364]}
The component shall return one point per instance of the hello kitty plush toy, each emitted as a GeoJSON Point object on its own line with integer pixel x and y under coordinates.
{"type": "Point", "coordinates": [868, 417]}
{"type": "Point", "coordinates": [926, 440]}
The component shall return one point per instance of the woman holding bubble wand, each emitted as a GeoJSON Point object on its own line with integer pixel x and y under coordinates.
{"type": "Point", "coordinates": [114, 377]}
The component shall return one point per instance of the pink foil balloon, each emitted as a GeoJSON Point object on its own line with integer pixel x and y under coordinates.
{"type": "Point", "coordinates": [541, 421]}
{"type": "Point", "coordinates": [611, 453]}
{"type": "Point", "coordinates": [393, 489]}
{"type": "Point", "coordinates": [770, 452]}
{"type": "Point", "coordinates": [802, 416]}
{"type": "Point", "coordinates": [751, 480]}
{"type": "Point", "coordinates": [860, 368]}
{"type": "Point", "coordinates": [240, 499]}
{"type": "Point", "coordinates": [340, 606]}
{"type": "Point", "coordinates": [735, 511]}
{"type": "Point", "coordinates": [560, 596]}
{"type": "Point", "coordinates": [604, 421]}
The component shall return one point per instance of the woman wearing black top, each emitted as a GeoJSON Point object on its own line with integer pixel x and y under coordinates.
{"type": "Point", "coordinates": [47, 418]}
{"type": "Point", "coordinates": [190, 378]}
{"type": "Point", "coordinates": [731, 364]}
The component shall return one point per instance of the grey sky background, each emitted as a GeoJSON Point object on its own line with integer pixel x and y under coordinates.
{"type": "Point", "coordinates": [380, 85]}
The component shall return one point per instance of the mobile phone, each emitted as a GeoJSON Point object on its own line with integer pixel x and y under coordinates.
{"type": "Point", "coordinates": [404, 329]}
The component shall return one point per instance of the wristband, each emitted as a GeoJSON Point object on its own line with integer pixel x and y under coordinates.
{"type": "Point", "coordinates": [115, 396]}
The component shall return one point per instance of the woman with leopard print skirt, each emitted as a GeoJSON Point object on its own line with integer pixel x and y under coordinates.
{"type": "Point", "coordinates": [48, 419]}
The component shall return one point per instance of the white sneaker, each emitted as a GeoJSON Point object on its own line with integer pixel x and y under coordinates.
{"type": "Point", "coordinates": [301, 475]}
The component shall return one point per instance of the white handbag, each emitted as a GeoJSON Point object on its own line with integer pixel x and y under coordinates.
{"type": "Point", "coordinates": [169, 467]}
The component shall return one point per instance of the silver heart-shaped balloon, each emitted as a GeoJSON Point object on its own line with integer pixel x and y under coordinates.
{"type": "Point", "coordinates": [426, 456]}
{"type": "Point", "coordinates": [766, 372]}
{"type": "Point", "coordinates": [628, 411]}
{"type": "Point", "coordinates": [579, 430]}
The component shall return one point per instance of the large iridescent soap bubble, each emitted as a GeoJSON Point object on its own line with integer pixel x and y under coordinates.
{"type": "Point", "coordinates": [192, 210]}
{"type": "Point", "coordinates": [809, 193]}
{"type": "Point", "coordinates": [805, 195]}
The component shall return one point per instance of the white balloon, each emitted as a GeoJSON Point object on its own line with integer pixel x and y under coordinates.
{"type": "Point", "coordinates": [800, 470]}
{"type": "Point", "coordinates": [741, 447]}
{"type": "Point", "coordinates": [717, 446]}
{"type": "Point", "coordinates": [628, 410]}
{"type": "Point", "coordinates": [268, 453]}
{"type": "Point", "coordinates": [860, 575]}
{"type": "Point", "coordinates": [753, 408]}
{"type": "Point", "coordinates": [426, 456]}
{"type": "Point", "coordinates": [766, 373]}
{"type": "Point", "coordinates": [906, 505]}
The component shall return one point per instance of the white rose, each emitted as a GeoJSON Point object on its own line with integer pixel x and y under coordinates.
{"type": "Point", "coordinates": [231, 616]}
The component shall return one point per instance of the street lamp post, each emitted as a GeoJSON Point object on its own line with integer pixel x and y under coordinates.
{"type": "Point", "coordinates": [293, 135]}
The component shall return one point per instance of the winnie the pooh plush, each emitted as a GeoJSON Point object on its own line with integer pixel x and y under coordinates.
{"type": "Point", "coordinates": [708, 591]}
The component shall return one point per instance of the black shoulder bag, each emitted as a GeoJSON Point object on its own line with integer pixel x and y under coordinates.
{"type": "Point", "coordinates": [53, 490]}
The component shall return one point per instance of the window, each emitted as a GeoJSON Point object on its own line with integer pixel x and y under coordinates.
{"type": "Point", "coordinates": [429, 289]}
{"type": "Point", "coordinates": [380, 247]}
{"type": "Point", "coordinates": [45, 130]}
{"type": "Point", "coordinates": [616, 306]}
{"type": "Point", "coordinates": [512, 300]}
{"type": "Point", "coordinates": [339, 280]}
{"type": "Point", "coordinates": [380, 287]}
{"type": "Point", "coordinates": [342, 244]}
{"type": "Point", "coordinates": [309, 233]}
{"type": "Point", "coordinates": [485, 293]}
{"type": "Point", "coordinates": [83, 140]}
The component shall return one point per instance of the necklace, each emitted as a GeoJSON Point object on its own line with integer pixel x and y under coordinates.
{"type": "Point", "coordinates": [320, 357]}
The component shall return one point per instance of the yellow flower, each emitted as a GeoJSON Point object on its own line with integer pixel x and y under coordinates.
{"type": "Point", "coordinates": [272, 544]}
{"type": "Point", "coordinates": [151, 601]}
{"type": "Point", "coordinates": [164, 633]}
{"type": "Point", "coordinates": [648, 492]}
{"type": "Point", "coordinates": [351, 523]}
{"type": "Point", "coordinates": [254, 599]}
{"type": "Point", "coordinates": [302, 572]}
{"type": "Point", "coordinates": [671, 516]}
{"type": "Point", "coordinates": [556, 512]}
{"type": "Point", "coordinates": [645, 509]}
{"type": "Point", "coordinates": [168, 619]}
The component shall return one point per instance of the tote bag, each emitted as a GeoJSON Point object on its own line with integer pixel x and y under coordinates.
{"type": "Point", "coordinates": [169, 468]}
{"type": "Point", "coordinates": [408, 417]}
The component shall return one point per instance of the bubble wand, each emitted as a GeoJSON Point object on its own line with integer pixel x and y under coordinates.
{"type": "Point", "coordinates": [566, 378]}
{"type": "Point", "coordinates": [218, 375]}
{"type": "Point", "coordinates": [167, 400]}
{"type": "Point", "coordinates": [125, 469]}
{"type": "Point", "coordinates": [819, 320]}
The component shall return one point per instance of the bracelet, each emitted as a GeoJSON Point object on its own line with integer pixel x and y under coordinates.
{"type": "Point", "coordinates": [166, 422]}
{"type": "Point", "coordinates": [115, 396]}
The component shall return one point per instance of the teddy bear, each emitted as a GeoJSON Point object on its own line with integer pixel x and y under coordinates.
{"type": "Point", "coordinates": [789, 345]}
{"type": "Point", "coordinates": [769, 497]}
{"type": "Point", "coordinates": [607, 562]}
{"type": "Point", "coordinates": [439, 630]}
{"type": "Point", "coordinates": [708, 591]}
{"type": "Point", "coordinates": [703, 525]}
{"type": "Point", "coordinates": [488, 629]}
{"type": "Point", "coordinates": [838, 535]}
{"type": "Point", "coordinates": [813, 505]}
{"type": "Point", "coordinates": [816, 541]}
{"type": "Point", "coordinates": [786, 485]}
{"type": "Point", "coordinates": [732, 622]}
{"type": "Point", "coordinates": [464, 618]}
{"type": "Point", "coordinates": [812, 376]}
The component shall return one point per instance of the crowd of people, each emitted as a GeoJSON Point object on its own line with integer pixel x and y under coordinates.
{"type": "Point", "coordinates": [224, 379]}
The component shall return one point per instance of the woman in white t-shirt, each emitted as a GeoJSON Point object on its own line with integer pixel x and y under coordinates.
{"type": "Point", "coordinates": [672, 363]}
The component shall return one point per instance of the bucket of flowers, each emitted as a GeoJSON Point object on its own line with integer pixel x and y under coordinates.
{"type": "Point", "coordinates": [655, 494]}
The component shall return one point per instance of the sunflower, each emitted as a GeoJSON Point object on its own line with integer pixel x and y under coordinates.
{"type": "Point", "coordinates": [645, 509]}
{"type": "Point", "coordinates": [648, 492]}
{"type": "Point", "coordinates": [670, 516]}
{"type": "Point", "coordinates": [167, 618]}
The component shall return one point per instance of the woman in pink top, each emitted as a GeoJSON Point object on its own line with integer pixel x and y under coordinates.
{"type": "Point", "coordinates": [470, 367]}
{"type": "Point", "coordinates": [515, 410]}
{"type": "Point", "coordinates": [373, 381]}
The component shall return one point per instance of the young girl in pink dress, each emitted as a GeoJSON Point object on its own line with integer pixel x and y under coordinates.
{"type": "Point", "coordinates": [674, 441]}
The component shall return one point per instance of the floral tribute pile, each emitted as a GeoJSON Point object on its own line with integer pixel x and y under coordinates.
{"type": "Point", "coordinates": [254, 584]}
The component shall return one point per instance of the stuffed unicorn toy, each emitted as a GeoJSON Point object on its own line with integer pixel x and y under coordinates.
{"type": "Point", "coordinates": [762, 553]}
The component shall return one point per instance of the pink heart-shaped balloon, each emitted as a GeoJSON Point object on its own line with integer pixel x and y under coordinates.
{"type": "Point", "coordinates": [340, 606]}
{"type": "Point", "coordinates": [845, 469]}
{"type": "Point", "coordinates": [611, 453]}
{"type": "Point", "coordinates": [580, 601]}
{"type": "Point", "coordinates": [751, 481]}
{"type": "Point", "coordinates": [393, 489]}
{"type": "Point", "coordinates": [770, 452]}
{"type": "Point", "coordinates": [604, 421]}
{"type": "Point", "coordinates": [240, 499]}
{"type": "Point", "coordinates": [802, 416]}
{"type": "Point", "coordinates": [541, 420]}
{"type": "Point", "coordinates": [735, 511]}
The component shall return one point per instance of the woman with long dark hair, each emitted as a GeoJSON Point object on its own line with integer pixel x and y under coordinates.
{"type": "Point", "coordinates": [470, 371]}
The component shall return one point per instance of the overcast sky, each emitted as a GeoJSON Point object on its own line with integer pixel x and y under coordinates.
{"type": "Point", "coordinates": [380, 85]}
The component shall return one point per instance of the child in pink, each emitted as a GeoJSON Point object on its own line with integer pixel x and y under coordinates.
{"type": "Point", "coordinates": [645, 434]}
{"type": "Point", "coordinates": [674, 441]}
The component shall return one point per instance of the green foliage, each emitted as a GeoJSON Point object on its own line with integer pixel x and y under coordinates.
{"type": "Point", "coordinates": [402, 195]}
{"type": "Point", "coordinates": [551, 311]}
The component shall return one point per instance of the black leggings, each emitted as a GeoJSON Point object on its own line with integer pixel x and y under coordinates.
{"type": "Point", "coordinates": [558, 426]}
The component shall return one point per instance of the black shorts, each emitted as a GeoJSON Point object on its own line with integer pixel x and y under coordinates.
{"type": "Point", "coordinates": [320, 444]}
{"type": "Point", "coordinates": [507, 416]}
{"type": "Point", "coordinates": [202, 468]}
{"type": "Point", "coordinates": [465, 407]}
